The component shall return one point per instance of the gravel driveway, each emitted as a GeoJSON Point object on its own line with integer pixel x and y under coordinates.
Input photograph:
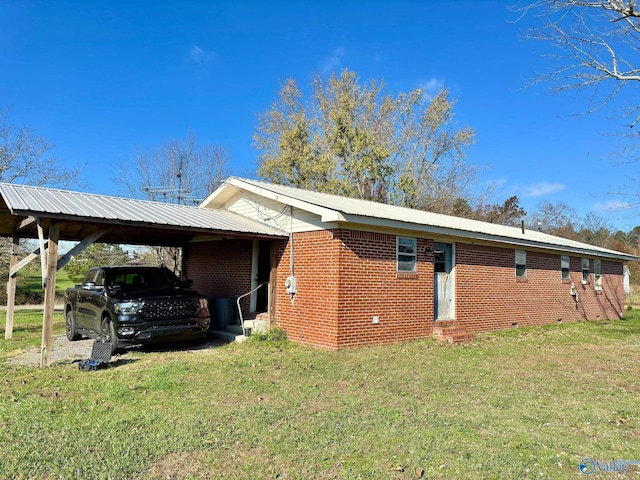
{"type": "Point", "coordinates": [64, 351]}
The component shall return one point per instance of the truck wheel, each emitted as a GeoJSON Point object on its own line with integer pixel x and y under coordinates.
{"type": "Point", "coordinates": [70, 326]}
{"type": "Point", "coordinates": [108, 334]}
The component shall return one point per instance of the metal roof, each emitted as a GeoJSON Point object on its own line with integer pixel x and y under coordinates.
{"type": "Point", "coordinates": [334, 208]}
{"type": "Point", "coordinates": [128, 220]}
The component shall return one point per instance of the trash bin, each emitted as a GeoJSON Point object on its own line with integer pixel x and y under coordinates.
{"type": "Point", "coordinates": [224, 309]}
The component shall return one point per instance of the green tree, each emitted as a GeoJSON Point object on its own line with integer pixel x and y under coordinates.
{"type": "Point", "coordinates": [359, 141]}
{"type": "Point", "coordinates": [96, 254]}
{"type": "Point", "coordinates": [508, 213]}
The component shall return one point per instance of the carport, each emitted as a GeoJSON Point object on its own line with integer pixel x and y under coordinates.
{"type": "Point", "coordinates": [52, 215]}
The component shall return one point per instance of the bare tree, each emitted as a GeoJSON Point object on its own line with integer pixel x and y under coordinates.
{"type": "Point", "coordinates": [24, 158]}
{"type": "Point", "coordinates": [556, 219]}
{"type": "Point", "coordinates": [597, 48]}
{"type": "Point", "coordinates": [179, 171]}
{"type": "Point", "coordinates": [596, 230]}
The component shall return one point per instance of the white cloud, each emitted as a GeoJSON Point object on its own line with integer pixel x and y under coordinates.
{"type": "Point", "coordinates": [431, 86]}
{"type": "Point", "coordinates": [334, 61]}
{"type": "Point", "coordinates": [497, 182]}
{"type": "Point", "coordinates": [198, 55]}
{"type": "Point", "coordinates": [612, 205]}
{"type": "Point", "coordinates": [540, 189]}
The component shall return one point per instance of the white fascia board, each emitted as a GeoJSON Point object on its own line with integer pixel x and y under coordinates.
{"type": "Point", "coordinates": [485, 237]}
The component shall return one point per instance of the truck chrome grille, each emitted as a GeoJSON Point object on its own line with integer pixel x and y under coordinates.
{"type": "Point", "coordinates": [161, 309]}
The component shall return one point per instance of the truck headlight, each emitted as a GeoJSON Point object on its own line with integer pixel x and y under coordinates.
{"type": "Point", "coordinates": [203, 303]}
{"type": "Point", "coordinates": [128, 308]}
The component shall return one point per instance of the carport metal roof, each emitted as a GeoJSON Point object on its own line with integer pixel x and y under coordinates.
{"type": "Point", "coordinates": [124, 220]}
{"type": "Point", "coordinates": [25, 212]}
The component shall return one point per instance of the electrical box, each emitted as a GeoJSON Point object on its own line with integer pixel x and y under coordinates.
{"type": "Point", "coordinates": [290, 285]}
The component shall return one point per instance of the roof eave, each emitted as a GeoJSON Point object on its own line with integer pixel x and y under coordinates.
{"type": "Point", "coordinates": [484, 237]}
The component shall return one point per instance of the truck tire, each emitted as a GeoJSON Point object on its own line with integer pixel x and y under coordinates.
{"type": "Point", "coordinates": [108, 333]}
{"type": "Point", "coordinates": [70, 327]}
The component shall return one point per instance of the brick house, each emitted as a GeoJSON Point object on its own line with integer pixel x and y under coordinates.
{"type": "Point", "coordinates": [351, 272]}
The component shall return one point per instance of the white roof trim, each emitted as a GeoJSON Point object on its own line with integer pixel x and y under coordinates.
{"type": "Point", "coordinates": [333, 208]}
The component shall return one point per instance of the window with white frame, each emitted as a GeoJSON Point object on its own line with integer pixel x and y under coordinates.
{"type": "Point", "coordinates": [406, 254]}
{"type": "Point", "coordinates": [521, 264]}
{"type": "Point", "coordinates": [565, 267]}
{"type": "Point", "coordinates": [597, 275]}
{"type": "Point", "coordinates": [585, 270]}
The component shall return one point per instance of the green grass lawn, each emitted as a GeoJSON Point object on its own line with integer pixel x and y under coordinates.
{"type": "Point", "coordinates": [526, 403]}
{"type": "Point", "coordinates": [29, 287]}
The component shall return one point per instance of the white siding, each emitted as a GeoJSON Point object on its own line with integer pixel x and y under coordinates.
{"type": "Point", "coordinates": [276, 214]}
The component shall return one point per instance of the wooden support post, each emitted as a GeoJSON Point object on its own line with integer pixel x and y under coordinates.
{"type": "Point", "coordinates": [43, 253]}
{"type": "Point", "coordinates": [11, 287]}
{"type": "Point", "coordinates": [49, 295]}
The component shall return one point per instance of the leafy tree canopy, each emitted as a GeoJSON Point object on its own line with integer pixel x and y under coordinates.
{"type": "Point", "coordinates": [359, 141]}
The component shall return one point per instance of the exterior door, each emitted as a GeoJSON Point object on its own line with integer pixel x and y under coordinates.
{"type": "Point", "coordinates": [443, 281]}
{"type": "Point", "coordinates": [260, 271]}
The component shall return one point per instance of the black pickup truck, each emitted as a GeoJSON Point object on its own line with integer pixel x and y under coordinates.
{"type": "Point", "coordinates": [135, 305]}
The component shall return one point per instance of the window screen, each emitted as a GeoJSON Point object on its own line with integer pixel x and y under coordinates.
{"type": "Point", "coordinates": [565, 267]}
{"type": "Point", "coordinates": [406, 254]}
{"type": "Point", "coordinates": [521, 264]}
{"type": "Point", "coordinates": [597, 275]}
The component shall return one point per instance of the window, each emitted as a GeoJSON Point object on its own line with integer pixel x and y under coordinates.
{"type": "Point", "coordinates": [521, 264]}
{"type": "Point", "coordinates": [406, 249]}
{"type": "Point", "coordinates": [585, 270]}
{"type": "Point", "coordinates": [597, 275]}
{"type": "Point", "coordinates": [565, 267]}
{"type": "Point", "coordinates": [439, 261]}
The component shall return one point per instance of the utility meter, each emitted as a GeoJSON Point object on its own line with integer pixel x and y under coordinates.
{"type": "Point", "coordinates": [290, 284]}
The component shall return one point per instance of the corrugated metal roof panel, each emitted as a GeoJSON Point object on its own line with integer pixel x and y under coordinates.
{"type": "Point", "coordinates": [355, 209]}
{"type": "Point", "coordinates": [28, 200]}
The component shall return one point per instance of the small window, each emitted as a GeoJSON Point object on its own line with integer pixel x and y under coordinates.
{"type": "Point", "coordinates": [521, 264]}
{"type": "Point", "coordinates": [597, 275]}
{"type": "Point", "coordinates": [565, 267]}
{"type": "Point", "coordinates": [585, 270]}
{"type": "Point", "coordinates": [406, 249]}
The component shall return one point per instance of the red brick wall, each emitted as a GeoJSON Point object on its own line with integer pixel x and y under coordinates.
{"type": "Point", "coordinates": [370, 286]}
{"type": "Point", "coordinates": [220, 269]}
{"type": "Point", "coordinates": [489, 297]}
{"type": "Point", "coordinates": [346, 277]}
{"type": "Point", "coordinates": [312, 316]}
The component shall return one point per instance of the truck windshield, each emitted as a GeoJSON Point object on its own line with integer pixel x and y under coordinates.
{"type": "Point", "coordinates": [151, 278]}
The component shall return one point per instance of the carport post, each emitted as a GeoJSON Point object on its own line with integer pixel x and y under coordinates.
{"type": "Point", "coordinates": [11, 287]}
{"type": "Point", "coordinates": [49, 295]}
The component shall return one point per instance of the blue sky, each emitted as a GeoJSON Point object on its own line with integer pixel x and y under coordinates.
{"type": "Point", "coordinates": [99, 79]}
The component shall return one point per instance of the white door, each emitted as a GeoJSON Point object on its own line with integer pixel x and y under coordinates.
{"type": "Point", "coordinates": [443, 281]}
